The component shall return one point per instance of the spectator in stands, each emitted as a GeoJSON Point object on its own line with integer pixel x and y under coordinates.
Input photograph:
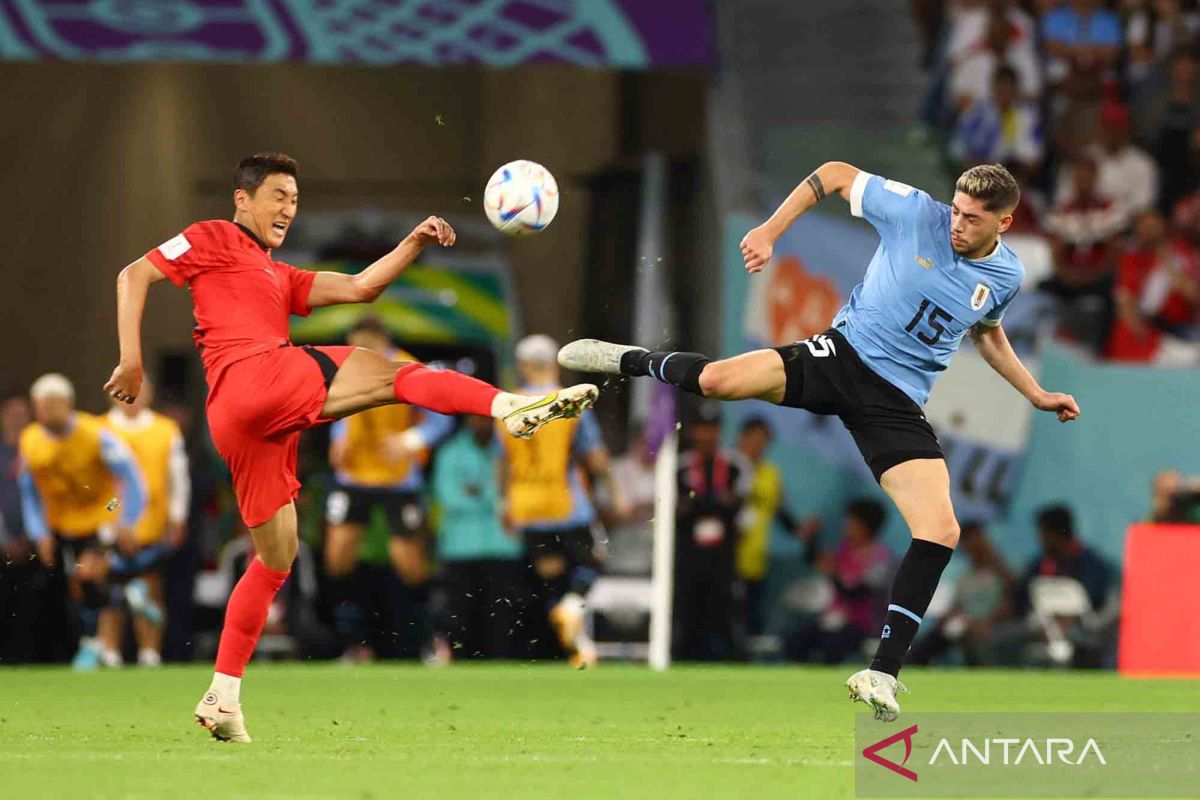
{"type": "Point", "coordinates": [1126, 173]}
{"type": "Point", "coordinates": [1157, 297]}
{"type": "Point", "coordinates": [1064, 554]}
{"type": "Point", "coordinates": [982, 599]}
{"type": "Point", "coordinates": [1154, 29]}
{"type": "Point", "coordinates": [1186, 213]}
{"type": "Point", "coordinates": [1084, 230]}
{"type": "Point", "coordinates": [1176, 123]}
{"type": "Point", "coordinates": [712, 485]}
{"type": "Point", "coordinates": [970, 20]}
{"type": "Point", "coordinates": [480, 562]}
{"type": "Point", "coordinates": [765, 505]}
{"type": "Point", "coordinates": [861, 570]}
{"type": "Point", "coordinates": [22, 579]}
{"type": "Point", "coordinates": [1080, 38]}
{"type": "Point", "coordinates": [1001, 128]}
{"type": "Point", "coordinates": [972, 70]}
{"type": "Point", "coordinates": [1174, 499]}
{"type": "Point", "coordinates": [631, 538]}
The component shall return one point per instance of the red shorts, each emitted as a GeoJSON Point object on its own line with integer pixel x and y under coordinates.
{"type": "Point", "coordinates": [256, 410]}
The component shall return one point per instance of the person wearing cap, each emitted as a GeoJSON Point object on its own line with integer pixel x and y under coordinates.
{"type": "Point", "coordinates": [712, 486]}
{"type": "Point", "coordinates": [157, 446]}
{"type": "Point", "coordinates": [548, 503]}
{"type": "Point", "coordinates": [81, 494]}
{"type": "Point", "coordinates": [378, 458]}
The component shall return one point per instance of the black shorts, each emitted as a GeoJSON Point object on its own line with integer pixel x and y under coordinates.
{"type": "Point", "coordinates": [576, 543]}
{"type": "Point", "coordinates": [73, 548]}
{"type": "Point", "coordinates": [826, 376]}
{"type": "Point", "coordinates": [353, 505]}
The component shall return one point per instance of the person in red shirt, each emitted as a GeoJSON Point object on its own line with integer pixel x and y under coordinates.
{"type": "Point", "coordinates": [1157, 295]}
{"type": "Point", "coordinates": [263, 390]}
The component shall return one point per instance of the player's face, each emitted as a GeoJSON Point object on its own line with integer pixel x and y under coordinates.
{"type": "Point", "coordinates": [973, 229]}
{"type": "Point", "coordinates": [270, 210]}
{"type": "Point", "coordinates": [53, 412]}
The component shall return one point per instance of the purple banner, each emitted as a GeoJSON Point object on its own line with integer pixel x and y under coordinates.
{"type": "Point", "coordinates": [628, 34]}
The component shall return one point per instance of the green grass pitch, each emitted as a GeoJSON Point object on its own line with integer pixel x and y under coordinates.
{"type": "Point", "coordinates": [488, 731]}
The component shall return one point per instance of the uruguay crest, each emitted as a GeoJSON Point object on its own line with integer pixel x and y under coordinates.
{"type": "Point", "coordinates": [979, 296]}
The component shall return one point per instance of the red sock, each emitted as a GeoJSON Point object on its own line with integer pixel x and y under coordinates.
{"type": "Point", "coordinates": [444, 391]}
{"type": "Point", "coordinates": [245, 616]}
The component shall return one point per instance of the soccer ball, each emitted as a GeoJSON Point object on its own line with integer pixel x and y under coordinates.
{"type": "Point", "coordinates": [521, 198]}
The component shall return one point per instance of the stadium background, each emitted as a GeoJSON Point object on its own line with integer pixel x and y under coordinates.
{"type": "Point", "coordinates": [671, 127]}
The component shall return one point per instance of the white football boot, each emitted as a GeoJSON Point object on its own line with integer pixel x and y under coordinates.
{"type": "Point", "coordinates": [878, 690]}
{"type": "Point", "coordinates": [593, 355]}
{"type": "Point", "coordinates": [222, 718]}
{"type": "Point", "coordinates": [523, 415]}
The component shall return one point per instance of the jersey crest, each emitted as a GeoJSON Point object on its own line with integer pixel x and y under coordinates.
{"type": "Point", "coordinates": [979, 296]}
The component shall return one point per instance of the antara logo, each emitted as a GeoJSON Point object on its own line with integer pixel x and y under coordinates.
{"type": "Point", "coordinates": [872, 753]}
{"type": "Point", "coordinates": [987, 752]}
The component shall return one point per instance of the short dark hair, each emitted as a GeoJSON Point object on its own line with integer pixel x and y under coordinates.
{"type": "Point", "coordinates": [991, 183]}
{"type": "Point", "coordinates": [1056, 519]}
{"type": "Point", "coordinates": [369, 323]}
{"type": "Point", "coordinates": [756, 423]}
{"type": "Point", "coordinates": [253, 170]}
{"type": "Point", "coordinates": [871, 513]}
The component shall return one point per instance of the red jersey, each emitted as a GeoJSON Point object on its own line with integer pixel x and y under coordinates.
{"type": "Point", "coordinates": [241, 298]}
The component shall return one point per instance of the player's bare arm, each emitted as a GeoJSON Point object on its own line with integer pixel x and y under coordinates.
{"type": "Point", "coordinates": [832, 177]}
{"type": "Point", "coordinates": [992, 343]}
{"type": "Point", "coordinates": [332, 288]}
{"type": "Point", "coordinates": [133, 283]}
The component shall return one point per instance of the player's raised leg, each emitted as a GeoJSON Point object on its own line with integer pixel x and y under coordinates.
{"type": "Point", "coordinates": [921, 491]}
{"type": "Point", "coordinates": [275, 543]}
{"type": "Point", "coordinates": [756, 375]}
{"type": "Point", "coordinates": [367, 379]}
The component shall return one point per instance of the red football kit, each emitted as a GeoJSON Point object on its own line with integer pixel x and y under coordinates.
{"type": "Point", "coordinates": [262, 390]}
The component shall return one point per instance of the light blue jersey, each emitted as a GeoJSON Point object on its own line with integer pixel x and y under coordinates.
{"type": "Point", "coordinates": [919, 298]}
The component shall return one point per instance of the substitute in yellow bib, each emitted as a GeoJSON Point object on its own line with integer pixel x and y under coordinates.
{"type": "Point", "coordinates": [379, 458]}
{"type": "Point", "coordinates": [550, 504]}
{"type": "Point", "coordinates": [157, 446]}
{"type": "Point", "coordinates": [81, 492]}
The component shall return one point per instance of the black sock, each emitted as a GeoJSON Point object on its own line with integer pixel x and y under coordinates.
{"type": "Point", "coordinates": [912, 588]}
{"type": "Point", "coordinates": [678, 369]}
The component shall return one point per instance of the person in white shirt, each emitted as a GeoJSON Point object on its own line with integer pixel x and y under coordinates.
{"type": "Point", "coordinates": [1127, 174]}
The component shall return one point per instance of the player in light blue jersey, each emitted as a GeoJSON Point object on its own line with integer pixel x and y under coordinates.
{"type": "Point", "coordinates": [939, 273]}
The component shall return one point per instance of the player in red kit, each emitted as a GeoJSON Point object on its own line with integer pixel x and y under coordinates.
{"type": "Point", "coordinates": [263, 390]}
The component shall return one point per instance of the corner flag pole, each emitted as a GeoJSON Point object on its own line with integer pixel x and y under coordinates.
{"type": "Point", "coordinates": [663, 575]}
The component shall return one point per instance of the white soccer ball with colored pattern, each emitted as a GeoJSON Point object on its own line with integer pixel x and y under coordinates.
{"type": "Point", "coordinates": [521, 198]}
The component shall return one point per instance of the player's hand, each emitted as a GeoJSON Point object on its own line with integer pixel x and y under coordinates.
{"type": "Point", "coordinates": [434, 230]}
{"type": "Point", "coordinates": [757, 246]}
{"type": "Point", "coordinates": [125, 383]}
{"type": "Point", "coordinates": [1062, 404]}
{"type": "Point", "coordinates": [45, 548]}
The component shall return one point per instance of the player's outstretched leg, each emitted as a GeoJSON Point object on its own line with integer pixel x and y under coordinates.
{"type": "Point", "coordinates": [367, 380]}
{"type": "Point", "coordinates": [921, 491]}
{"type": "Point", "coordinates": [759, 374]}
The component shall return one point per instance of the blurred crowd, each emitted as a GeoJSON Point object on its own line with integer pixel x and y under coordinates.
{"type": "Point", "coordinates": [431, 537]}
{"type": "Point", "coordinates": [1095, 106]}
